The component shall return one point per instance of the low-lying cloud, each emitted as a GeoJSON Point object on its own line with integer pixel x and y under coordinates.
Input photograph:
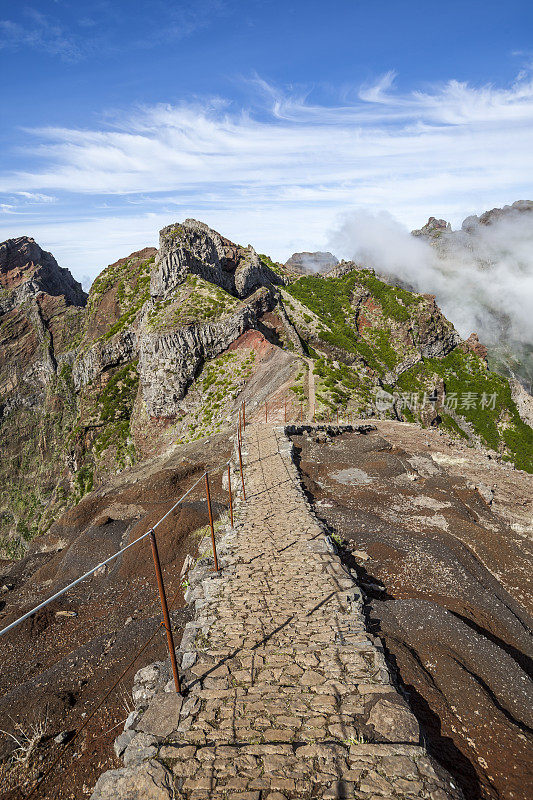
{"type": "Point", "coordinates": [482, 277]}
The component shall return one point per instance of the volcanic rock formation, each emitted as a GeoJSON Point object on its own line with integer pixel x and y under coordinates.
{"type": "Point", "coordinates": [89, 385]}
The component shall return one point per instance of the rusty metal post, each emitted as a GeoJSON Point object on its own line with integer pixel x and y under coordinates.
{"type": "Point", "coordinates": [164, 607]}
{"type": "Point", "coordinates": [208, 493]}
{"type": "Point", "coordinates": [244, 414]}
{"type": "Point", "coordinates": [230, 497]}
{"type": "Point", "coordinates": [239, 432]}
{"type": "Point", "coordinates": [242, 474]}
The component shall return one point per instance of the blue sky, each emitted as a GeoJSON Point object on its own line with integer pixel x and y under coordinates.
{"type": "Point", "coordinates": [268, 120]}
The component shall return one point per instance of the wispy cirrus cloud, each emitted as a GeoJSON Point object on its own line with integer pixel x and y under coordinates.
{"type": "Point", "coordinates": [73, 38]}
{"type": "Point", "coordinates": [285, 166]}
{"type": "Point", "coordinates": [455, 132]}
{"type": "Point", "coordinates": [40, 32]}
{"type": "Point", "coordinates": [36, 197]}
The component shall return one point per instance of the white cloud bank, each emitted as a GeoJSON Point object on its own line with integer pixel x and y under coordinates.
{"type": "Point", "coordinates": [482, 277]}
{"type": "Point", "coordinates": [277, 173]}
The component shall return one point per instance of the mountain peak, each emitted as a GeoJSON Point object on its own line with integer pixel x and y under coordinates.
{"type": "Point", "coordinates": [433, 228]}
{"type": "Point", "coordinates": [23, 263]}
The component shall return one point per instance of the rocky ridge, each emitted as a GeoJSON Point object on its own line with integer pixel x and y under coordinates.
{"type": "Point", "coordinates": [41, 315]}
{"type": "Point", "coordinates": [167, 346]}
{"type": "Point", "coordinates": [156, 356]}
{"type": "Point", "coordinates": [308, 263]}
{"type": "Point", "coordinates": [439, 228]}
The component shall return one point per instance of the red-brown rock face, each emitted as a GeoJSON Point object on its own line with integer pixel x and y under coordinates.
{"type": "Point", "coordinates": [41, 313]}
{"type": "Point", "coordinates": [22, 262]}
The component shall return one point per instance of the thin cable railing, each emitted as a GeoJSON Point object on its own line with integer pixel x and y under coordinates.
{"type": "Point", "coordinates": [90, 572]}
{"type": "Point", "coordinates": [288, 414]}
{"type": "Point", "coordinates": [165, 622]}
{"type": "Point", "coordinates": [147, 534]}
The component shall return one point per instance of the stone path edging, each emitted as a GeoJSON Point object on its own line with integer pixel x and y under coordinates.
{"type": "Point", "coordinates": [286, 694]}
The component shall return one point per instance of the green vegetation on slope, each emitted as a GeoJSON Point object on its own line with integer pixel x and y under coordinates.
{"type": "Point", "coordinates": [132, 281]}
{"type": "Point", "coordinates": [331, 301]}
{"type": "Point", "coordinates": [32, 464]}
{"type": "Point", "coordinates": [337, 385]}
{"type": "Point", "coordinates": [116, 406]}
{"type": "Point", "coordinates": [216, 387]}
{"type": "Point", "coordinates": [273, 265]}
{"type": "Point", "coordinates": [196, 300]}
{"type": "Point", "coordinates": [481, 397]}
{"type": "Point", "coordinates": [379, 347]}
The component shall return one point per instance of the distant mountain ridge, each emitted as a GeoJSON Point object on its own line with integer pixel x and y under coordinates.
{"type": "Point", "coordinates": [435, 228]}
{"type": "Point", "coordinates": [309, 263]}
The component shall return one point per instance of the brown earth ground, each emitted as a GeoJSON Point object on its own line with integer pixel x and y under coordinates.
{"type": "Point", "coordinates": [439, 534]}
{"type": "Point", "coordinates": [56, 667]}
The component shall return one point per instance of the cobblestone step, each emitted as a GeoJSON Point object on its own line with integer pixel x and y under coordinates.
{"type": "Point", "coordinates": [287, 696]}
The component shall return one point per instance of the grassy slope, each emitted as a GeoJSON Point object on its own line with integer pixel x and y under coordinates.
{"type": "Point", "coordinates": [377, 349]}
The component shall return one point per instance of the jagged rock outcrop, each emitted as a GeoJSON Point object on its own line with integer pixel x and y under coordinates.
{"type": "Point", "coordinates": [436, 335]}
{"type": "Point", "coordinates": [103, 356]}
{"type": "Point", "coordinates": [26, 270]}
{"type": "Point", "coordinates": [193, 248]}
{"type": "Point", "coordinates": [490, 217]}
{"type": "Point", "coordinates": [39, 303]}
{"type": "Point", "coordinates": [341, 268]}
{"type": "Point", "coordinates": [474, 346]}
{"type": "Point", "coordinates": [168, 362]}
{"type": "Point", "coordinates": [440, 232]}
{"type": "Point", "coordinates": [433, 228]}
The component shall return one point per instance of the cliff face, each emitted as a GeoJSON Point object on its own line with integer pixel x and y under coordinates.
{"type": "Point", "coordinates": [39, 303]}
{"type": "Point", "coordinates": [41, 314]}
{"type": "Point", "coordinates": [169, 340]}
{"type": "Point", "coordinates": [195, 249]}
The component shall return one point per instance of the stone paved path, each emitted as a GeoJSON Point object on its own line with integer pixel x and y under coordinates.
{"type": "Point", "coordinates": [287, 695]}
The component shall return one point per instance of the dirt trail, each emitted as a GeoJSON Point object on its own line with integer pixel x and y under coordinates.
{"type": "Point", "coordinates": [311, 388]}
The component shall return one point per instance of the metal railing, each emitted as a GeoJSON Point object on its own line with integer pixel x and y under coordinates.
{"type": "Point", "coordinates": [151, 532]}
{"type": "Point", "coordinates": [288, 413]}
{"type": "Point", "coordinates": [151, 535]}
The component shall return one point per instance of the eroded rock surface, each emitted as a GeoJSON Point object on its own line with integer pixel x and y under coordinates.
{"type": "Point", "coordinates": [440, 537]}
